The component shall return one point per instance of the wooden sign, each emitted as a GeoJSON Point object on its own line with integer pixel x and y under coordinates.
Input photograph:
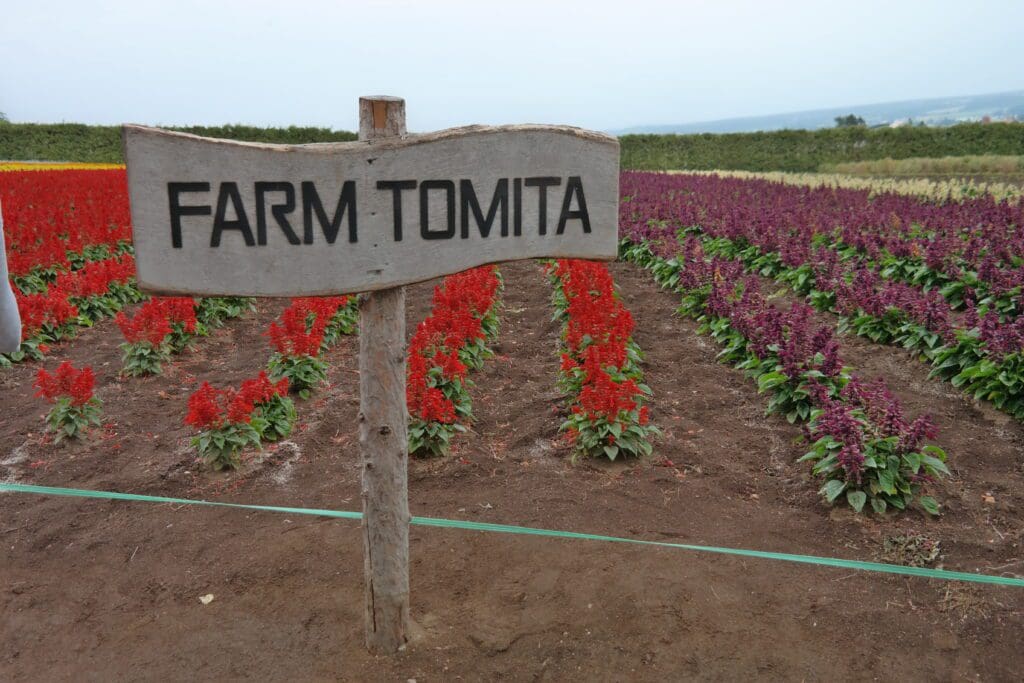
{"type": "Point", "coordinates": [232, 218]}
{"type": "Point", "coordinates": [214, 217]}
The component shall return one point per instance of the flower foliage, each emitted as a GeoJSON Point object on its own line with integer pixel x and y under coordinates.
{"type": "Point", "coordinates": [451, 341]}
{"type": "Point", "coordinates": [861, 442]}
{"type": "Point", "coordinates": [302, 333]}
{"type": "Point", "coordinates": [941, 277]}
{"type": "Point", "coordinates": [50, 213]}
{"type": "Point", "coordinates": [70, 390]}
{"type": "Point", "coordinates": [600, 368]}
{"type": "Point", "coordinates": [67, 233]}
{"type": "Point", "coordinates": [229, 420]}
{"type": "Point", "coordinates": [160, 327]}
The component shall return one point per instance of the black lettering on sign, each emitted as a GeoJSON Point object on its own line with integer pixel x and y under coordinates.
{"type": "Point", "coordinates": [574, 187]}
{"type": "Point", "coordinates": [542, 184]}
{"type": "Point", "coordinates": [174, 191]}
{"type": "Point", "coordinates": [229, 191]}
{"type": "Point", "coordinates": [469, 203]}
{"type": "Point", "coordinates": [311, 205]}
{"type": "Point", "coordinates": [425, 187]}
{"type": "Point", "coordinates": [517, 207]}
{"type": "Point", "coordinates": [396, 187]}
{"type": "Point", "coordinates": [280, 211]}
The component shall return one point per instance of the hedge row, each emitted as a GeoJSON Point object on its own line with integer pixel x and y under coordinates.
{"type": "Point", "coordinates": [809, 150]}
{"type": "Point", "coordinates": [79, 142]}
{"type": "Point", "coordinates": [785, 150]}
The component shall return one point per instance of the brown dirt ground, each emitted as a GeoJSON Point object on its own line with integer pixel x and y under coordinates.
{"type": "Point", "coordinates": [94, 590]}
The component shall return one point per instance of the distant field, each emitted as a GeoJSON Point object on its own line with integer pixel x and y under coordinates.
{"type": "Point", "coordinates": [930, 188]}
{"type": "Point", "coordinates": [969, 165]}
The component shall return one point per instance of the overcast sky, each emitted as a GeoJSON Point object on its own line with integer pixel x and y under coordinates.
{"type": "Point", "coordinates": [597, 64]}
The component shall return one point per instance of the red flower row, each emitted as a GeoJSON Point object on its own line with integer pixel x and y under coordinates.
{"type": "Point", "coordinates": [48, 213]}
{"type": "Point", "coordinates": [597, 336]}
{"type": "Point", "coordinates": [210, 408]}
{"type": "Point", "coordinates": [95, 277]}
{"type": "Point", "coordinates": [53, 308]}
{"type": "Point", "coordinates": [456, 320]}
{"type": "Point", "coordinates": [50, 308]}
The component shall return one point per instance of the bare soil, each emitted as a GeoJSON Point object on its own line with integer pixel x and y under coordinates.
{"type": "Point", "coordinates": [99, 590]}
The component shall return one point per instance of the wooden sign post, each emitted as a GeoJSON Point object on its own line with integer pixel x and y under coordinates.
{"type": "Point", "coordinates": [382, 431]}
{"type": "Point", "coordinates": [224, 218]}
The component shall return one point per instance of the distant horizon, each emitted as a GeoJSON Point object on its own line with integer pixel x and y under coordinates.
{"type": "Point", "coordinates": [852, 107]}
{"type": "Point", "coordinates": [618, 130]}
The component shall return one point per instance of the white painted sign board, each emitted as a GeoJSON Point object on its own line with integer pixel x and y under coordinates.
{"type": "Point", "coordinates": [218, 217]}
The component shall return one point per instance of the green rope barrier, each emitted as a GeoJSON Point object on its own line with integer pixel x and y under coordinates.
{"type": "Point", "coordinates": [922, 572]}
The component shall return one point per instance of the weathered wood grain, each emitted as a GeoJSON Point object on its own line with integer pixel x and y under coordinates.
{"type": "Point", "coordinates": [384, 444]}
{"type": "Point", "coordinates": [478, 154]}
{"type": "Point", "coordinates": [383, 440]}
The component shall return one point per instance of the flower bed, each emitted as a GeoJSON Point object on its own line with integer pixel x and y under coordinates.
{"type": "Point", "coordinates": [861, 442]}
{"type": "Point", "coordinates": [230, 420]}
{"type": "Point", "coordinates": [903, 284]}
{"type": "Point", "coordinates": [600, 369]}
{"type": "Point", "coordinates": [450, 342]}
{"type": "Point", "coordinates": [67, 235]}
{"type": "Point", "coordinates": [302, 333]}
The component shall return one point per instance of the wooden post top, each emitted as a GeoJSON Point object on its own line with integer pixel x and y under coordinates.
{"type": "Point", "coordinates": [381, 116]}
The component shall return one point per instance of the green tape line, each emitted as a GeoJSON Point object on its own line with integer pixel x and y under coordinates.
{"type": "Point", "coordinates": [530, 531]}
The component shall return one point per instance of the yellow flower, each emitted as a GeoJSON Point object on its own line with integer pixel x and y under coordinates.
{"type": "Point", "coordinates": [54, 166]}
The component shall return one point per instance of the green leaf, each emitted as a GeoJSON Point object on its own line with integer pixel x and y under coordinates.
{"type": "Point", "coordinates": [886, 482]}
{"type": "Point", "coordinates": [879, 505]}
{"type": "Point", "coordinates": [810, 455]}
{"type": "Point", "coordinates": [913, 461]}
{"type": "Point", "coordinates": [935, 464]}
{"type": "Point", "coordinates": [930, 505]}
{"type": "Point", "coordinates": [770, 380]}
{"type": "Point", "coordinates": [832, 489]}
{"type": "Point", "coordinates": [856, 499]}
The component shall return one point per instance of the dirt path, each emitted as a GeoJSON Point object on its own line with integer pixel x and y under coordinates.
{"type": "Point", "coordinates": [100, 590]}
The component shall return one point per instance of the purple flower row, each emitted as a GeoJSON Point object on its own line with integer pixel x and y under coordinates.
{"type": "Point", "coordinates": [980, 234]}
{"type": "Point", "coordinates": [808, 353]}
{"type": "Point", "coordinates": [660, 204]}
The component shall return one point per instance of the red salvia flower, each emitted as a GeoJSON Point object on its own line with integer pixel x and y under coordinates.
{"type": "Point", "coordinates": [459, 306]}
{"type": "Point", "coordinates": [150, 323]}
{"type": "Point", "coordinates": [204, 409]}
{"type": "Point", "coordinates": [597, 334]}
{"type": "Point", "coordinates": [67, 381]}
{"type": "Point", "coordinates": [300, 330]}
